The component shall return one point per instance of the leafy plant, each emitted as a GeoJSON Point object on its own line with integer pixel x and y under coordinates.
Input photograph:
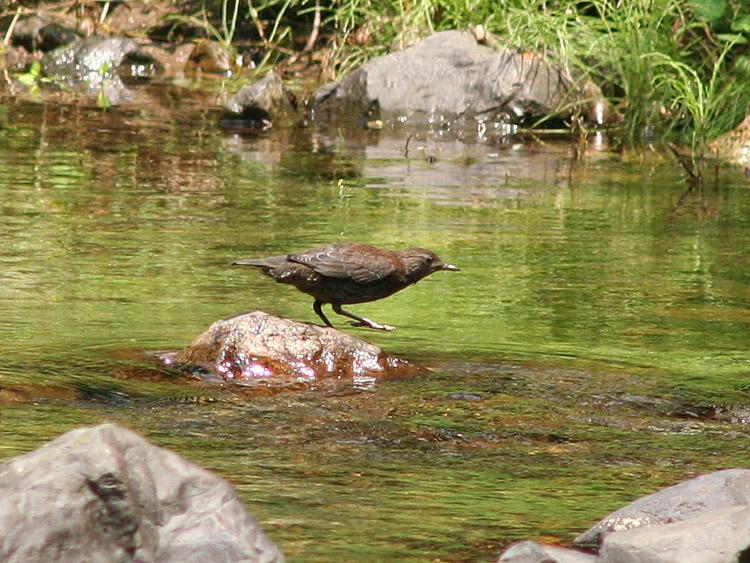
{"type": "Point", "coordinates": [33, 78]}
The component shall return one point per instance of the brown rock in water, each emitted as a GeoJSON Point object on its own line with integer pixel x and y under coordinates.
{"type": "Point", "coordinates": [263, 102]}
{"type": "Point", "coordinates": [734, 145]}
{"type": "Point", "coordinates": [260, 347]}
{"type": "Point", "coordinates": [106, 494]}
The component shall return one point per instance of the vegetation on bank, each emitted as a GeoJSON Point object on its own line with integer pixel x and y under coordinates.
{"type": "Point", "coordinates": [675, 69]}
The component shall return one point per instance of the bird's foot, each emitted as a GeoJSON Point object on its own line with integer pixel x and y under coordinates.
{"type": "Point", "coordinates": [367, 323]}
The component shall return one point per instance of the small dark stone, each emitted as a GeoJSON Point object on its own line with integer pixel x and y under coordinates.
{"type": "Point", "coordinates": [55, 35]}
{"type": "Point", "coordinates": [533, 552]}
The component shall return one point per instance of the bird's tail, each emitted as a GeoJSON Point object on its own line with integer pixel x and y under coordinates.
{"type": "Point", "coordinates": [270, 262]}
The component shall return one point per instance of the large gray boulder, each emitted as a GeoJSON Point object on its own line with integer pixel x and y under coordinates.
{"type": "Point", "coordinates": [702, 520]}
{"type": "Point", "coordinates": [258, 347]}
{"type": "Point", "coordinates": [106, 495]}
{"type": "Point", "coordinates": [716, 536]}
{"type": "Point", "coordinates": [686, 500]}
{"type": "Point", "coordinates": [449, 76]}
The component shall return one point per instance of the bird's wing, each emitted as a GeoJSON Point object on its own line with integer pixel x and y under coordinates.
{"type": "Point", "coordinates": [357, 262]}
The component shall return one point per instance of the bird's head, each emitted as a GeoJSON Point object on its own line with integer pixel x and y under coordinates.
{"type": "Point", "coordinates": [420, 263]}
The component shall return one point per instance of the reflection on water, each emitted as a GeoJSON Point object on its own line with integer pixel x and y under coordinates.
{"type": "Point", "coordinates": [594, 346]}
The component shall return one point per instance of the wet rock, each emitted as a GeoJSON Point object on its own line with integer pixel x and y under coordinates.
{"type": "Point", "coordinates": [209, 57]}
{"type": "Point", "coordinates": [262, 103]}
{"type": "Point", "coordinates": [106, 494]}
{"type": "Point", "coordinates": [533, 552]}
{"type": "Point", "coordinates": [93, 60]}
{"type": "Point", "coordinates": [717, 536]}
{"type": "Point", "coordinates": [684, 501]}
{"type": "Point", "coordinates": [446, 77]}
{"type": "Point", "coordinates": [98, 66]}
{"type": "Point", "coordinates": [257, 347]}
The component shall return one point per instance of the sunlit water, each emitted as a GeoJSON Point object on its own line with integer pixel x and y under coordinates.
{"type": "Point", "coordinates": [594, 346]}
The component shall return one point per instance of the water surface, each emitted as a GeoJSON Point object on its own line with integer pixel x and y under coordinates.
{"type": "Point", "coordinates": [593, 348]}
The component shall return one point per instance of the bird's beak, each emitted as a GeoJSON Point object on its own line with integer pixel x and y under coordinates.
{"type": "Point", "coordinates": [450, 267]}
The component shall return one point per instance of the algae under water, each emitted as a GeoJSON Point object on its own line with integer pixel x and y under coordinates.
{"type": "Point", "coordinates": [593, 348]}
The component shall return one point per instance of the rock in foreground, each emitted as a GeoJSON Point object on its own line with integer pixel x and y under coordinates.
{"type": "Point", "coordinates": [260, 347]}
{"type": "Point", "coordinates": [683, 501]}
{"type": "Point", "coordinates": [701, 520]}
{"type": "Point", "coordinates": [106, 494]}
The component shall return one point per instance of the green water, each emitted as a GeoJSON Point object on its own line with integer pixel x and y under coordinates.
{"type": "Point", "coordinates": [593, 348]}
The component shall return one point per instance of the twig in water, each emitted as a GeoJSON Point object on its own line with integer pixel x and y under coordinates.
{"type": "Point", "coordinates": [684, 162]}
{"type": "Point", "coordinates": [406, 145]}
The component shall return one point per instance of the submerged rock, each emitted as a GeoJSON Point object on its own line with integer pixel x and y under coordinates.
{"type": "Point", "coordinates": [106, 494]}
{"type": "Point", "coordinates": [262, 103]}
{"type": "Point", "coordinates": [260, 347]}
{"type": "Point", "coordinates": [450, 76]}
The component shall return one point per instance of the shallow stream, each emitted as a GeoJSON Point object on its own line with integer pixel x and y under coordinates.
{"type": "Point", "coordinates": [594, 347]}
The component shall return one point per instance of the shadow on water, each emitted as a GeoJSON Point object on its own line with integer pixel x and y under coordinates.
{"type": "Point", "coordinates": [593, 348]}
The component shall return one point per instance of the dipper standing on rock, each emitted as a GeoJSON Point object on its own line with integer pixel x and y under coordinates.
{"type": "Point", "coordinates": [349, 272]}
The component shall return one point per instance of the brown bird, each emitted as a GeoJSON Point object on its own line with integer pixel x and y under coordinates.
{"type": "Point", "coordinates": [348, 272]}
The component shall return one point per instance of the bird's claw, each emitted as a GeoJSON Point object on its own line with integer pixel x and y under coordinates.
{"type": "Point", "coordinates": [373, 325]}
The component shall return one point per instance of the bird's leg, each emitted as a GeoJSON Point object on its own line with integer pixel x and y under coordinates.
{"type": "Point", "coordinates": [361, 321]}
{"type": "Point", "coordinates": [317, 307]}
